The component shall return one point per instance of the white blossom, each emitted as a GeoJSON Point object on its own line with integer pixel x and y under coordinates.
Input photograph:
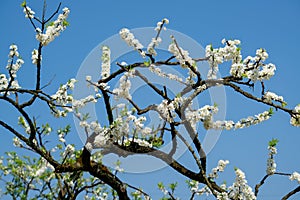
{"type": "Point", "coordinates": [105, 62]}
{"type": "Point", "coordinates": [240, 189]}
{"type": "Point", "coordinates": [295, 119]}
{"type": "Point", "coordinates": [125, 84]}
{"type": "Point", "coordinates": [34, 56]}
{"type": "Point", "coordinates": [54, 29]}
{"type": "Point", "coordinates": [28, 12]}
{"type": "Point", "coordinates": [271, 165]}
{"type": "Point", "coordinates": [295, 176]}
{"type": "Point", "coordinates": [181, 55]}
{"type": "Point", "coordinates": [220, 168]}
{"type": "Point", "coordinates": [129, 38]}
{"type": "Point", "coordinates": [271, 96]}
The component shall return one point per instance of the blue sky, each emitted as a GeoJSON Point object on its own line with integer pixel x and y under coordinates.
{"type": "Point", "coordinates": [273, 25]}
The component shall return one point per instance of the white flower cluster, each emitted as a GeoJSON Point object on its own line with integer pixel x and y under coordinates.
{"type": "Point", "coordinates": [123, 90]}
{"type": "Point", "coordinates": [155, 41]}
{"type": "Point", "coordinates": [63, 99]}
{"type": "Point", "coordinates": [43, 166]}
{"type": "Point", "coordinates": [17, 142]}
{"type": "Point", "coordinates": [203, 114]}
{"type": "Point", "coordinates": [61, 96]}
{"type": "Point", "coordinates": [251, 67]}
{"type": "Point", "coordinates": [129, 38]}
{"type": "Point", "coordinates": [28, 12]}
{"type": "Point", "coordinates": [140, 142]}
{"type": "Point", "coordinates": [295, 176]}
{"type": "Point", "coordinates": [3, 82]}
{"type": "Point", "coordinates": [69, 150]}
{"type": "Point", "coordinates": [13, 68]}
{"type": "Point", "coordinates": [166, 110]}
{"type": "Point", "coordinates": [194, 188]}
{"type": "Point", "coordinates": [127, 121]}
{"type": "Point", "coordinates": [271, 96]}
{"type": "Point", "coordinates": [271, 165]}
{"type": "Point", "coordinates": [240, 189]}
{"type": "Point", "coordinates": [35, 56]}
{"type": "Point", "coordinates": [242, 123]}
{"type": "Point", "coordinates": [295, 119]}
{"type": "Point", "coordinates": [181, 55]}
{"type": "Point", "coordinates": [82, 102]}
{"type": "Point", "coordinates": [105, 62]}
{"type": "Point", "coordinates": [220, 168]}
{"type": "Point", "coordinates": [231, 51]}
{"type": "Point", "coordinates": [53, 29]}
{"type": "Point", "coordinates": [254, 69]}
{"type": "Point", "coordinates": [159, 72]}
{"type": "Point", "coordinates": [102, 134]}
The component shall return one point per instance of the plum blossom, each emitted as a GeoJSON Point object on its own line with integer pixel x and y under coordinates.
{"type": "Point", "coordinates": [125, 84]}
{"type": "Point", "coordinates": [220, 168]}
{"type": "Point", "coordinates": [129, 38]}
{"type": "Point", "coordinates": [155, 41]}
{"type": "Point", "coordinates": [295, 119]}
{"type": "Point", "coordinates": [245, 122]}
{"type": "Point", "coordinates": [240, 189]}
{"type": "Point", "coordinates": [105, 62]}
{"type": "Point", "coordinates": [295, 176]}
{"type": "Point", "coordinates": [35, 56]}
{"type": "Point", "coordinates": [28, 12]}
{"type": "Point", "coordinates": [181, 55]}
{"type": "Point", "coordinates": [53, 29]}
{"type": "Point", "coordinates": [271, 165]}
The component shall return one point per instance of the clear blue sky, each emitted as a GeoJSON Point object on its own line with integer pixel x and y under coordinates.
{"type": "Point", "coordinates": [273, 25]}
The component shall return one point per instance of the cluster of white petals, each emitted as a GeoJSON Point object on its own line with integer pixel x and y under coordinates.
{"type": "Point", "coordinates": [61, 96]}
{"type": "Point", "coordinates": [158, 71]}
{"type": "Point", "coordinates": [140, 142]}
{"type": "Point", "coordinates": [127, 121]}
{"type": "Point", "coordinates": [155, 41]}
{"type": "Point", "coordinates": [271, 96]}
{"type": "Point", "coordinates": [180, 54]}
{"type": "Point", "coordinates": [105, 66]}
{"type": "Point", "coordinates": [203, 114]}
{"type": "Point", "coordinates": [166, 110]}
{"type": "Point", "coordinates": [242, 123]}
{"type": "Point", "coordinates": [11, 66]}
{"type": "Point", "coordinates": [295, 119]}
{"type": "Point", "coordinates": [252, 68]}
{"type": "Point", "coordinates": [17, 142]}
{"type": "Point", "coordinates": [231, 51]}
{"type": "Point", "coordinates": [240, 189]}
{"type": "Point", "coordinates": [125, 84]}
{"type": "Point", "coordinates": [295, 176]}
{"type": "Point", "coordinates": [69, 150]}
{"type": "Point", "coordinates": [220, 168]}
{"type": "Point", "coordinates": [28, 12]}
{"type": "Point", "coordinates": [53, 29]}
{"type": "Point", "coordinates": [35, 56]}
{"type": "Point", "coordinates": [129, 38]}
{"type": "Point", "coordinates": [3, 82]}
{"type": "Point", "coordinates": [271, 165]}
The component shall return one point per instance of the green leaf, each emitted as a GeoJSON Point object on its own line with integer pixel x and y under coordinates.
{"type": "Point", "coordinates": [23, 4]}
{"type": "Point", "coordinates": [160, 185]}
{"type": "Point", "coordinates": [147, 63]}
{"type": "Point", "coordinates": [273, 142]}
{"type": "Point", "coordinates": [211, 47]}
{"type": "Point", "coordinates": [66, 23]}
{"type": "Point", "coordinates": [271, 112]}
{"type": "Point", "coordinates": [283, 104]}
